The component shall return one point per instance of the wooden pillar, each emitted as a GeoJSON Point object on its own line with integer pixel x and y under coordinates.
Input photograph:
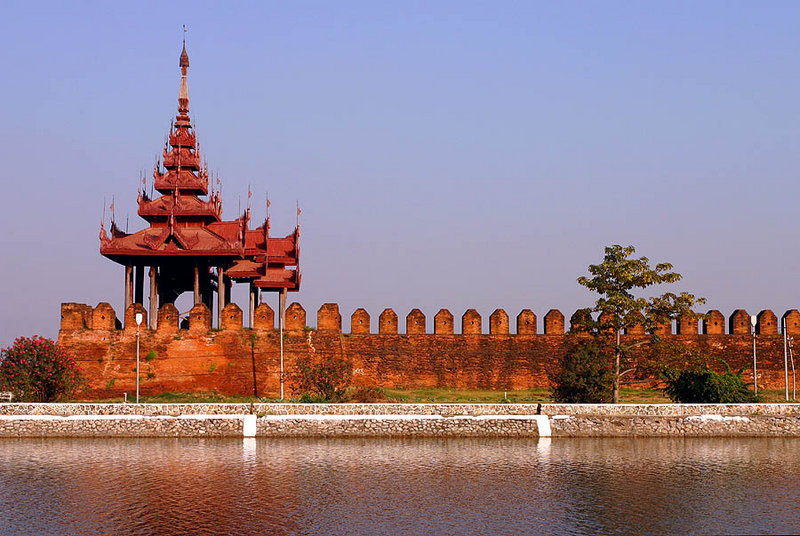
{"type": "Point", "coordinates": [128, 286]}
{"type": "Point", "coordinates": [228, 285]}
{"type": "Point", "coordinates": [153, 315]}
{"type": "Point", "coordinates": [198, 298]}
{"type": "Point", "coordinates": [282, 309]}
{"type": "Point", "coordinates": [221, 294]}
{"type": "Point", "coordinates": [252, 304]}
{"type": "Point", "coordinates": [138, 287]}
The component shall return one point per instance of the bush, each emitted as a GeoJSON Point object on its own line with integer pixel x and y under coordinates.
{"type": "Point", "coordinates": [583, 375]}
{"type": "Point", "coordinates": [324, 381]}
{"type": "Point", "coordinates": [38, 370]}
{"type": "Point", "coordinates": [703, 385]}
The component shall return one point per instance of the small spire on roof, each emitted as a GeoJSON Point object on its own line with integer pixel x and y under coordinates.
{"type": "Point", "coordinates": [183, 94]}
{"type": "Point", "coordinates": [184, 62]}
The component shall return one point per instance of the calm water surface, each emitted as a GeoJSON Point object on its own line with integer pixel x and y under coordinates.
{"type": "Point", "coordinates": [466, 486]}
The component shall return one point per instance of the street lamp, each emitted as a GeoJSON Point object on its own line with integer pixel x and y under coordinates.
{"type": "Point", "coordinates": [753, 321]}
{"type": "Point", "coordinates": [785, 358]}
{"type": "Point", "coordinates": [138, 317]}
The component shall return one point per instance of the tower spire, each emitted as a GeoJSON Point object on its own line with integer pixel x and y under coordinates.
{"type": "Point", "coordinates": [183, 95]}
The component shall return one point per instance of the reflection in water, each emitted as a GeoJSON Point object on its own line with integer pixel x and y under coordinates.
{"type": "Point", "coordinates": [369, 486]}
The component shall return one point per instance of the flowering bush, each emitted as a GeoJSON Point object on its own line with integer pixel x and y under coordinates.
{"type": "Point", "coordinates": [325, 381]}
{"type": "Point", "coordinates": [38, 370]}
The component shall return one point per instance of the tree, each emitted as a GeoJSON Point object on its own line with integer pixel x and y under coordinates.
{"type": "Point", "coordinates": [583, 374]}
{"type": "Point", "coordinates": [38, 370]}
{"type": "Point", "coordinates": [615, 280]}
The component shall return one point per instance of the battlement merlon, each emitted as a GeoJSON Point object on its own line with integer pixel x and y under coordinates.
{"type": "Point", "coordinates": [78, 316]}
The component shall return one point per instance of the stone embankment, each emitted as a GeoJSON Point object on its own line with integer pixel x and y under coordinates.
{"type": "Point", "coordinates": [399, 420]}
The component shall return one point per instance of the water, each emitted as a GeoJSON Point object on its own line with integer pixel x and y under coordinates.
{"type": "Point", "coordinates": [465, 486]}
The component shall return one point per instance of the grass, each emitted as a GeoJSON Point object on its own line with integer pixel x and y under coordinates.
{"type": "Point", "coordinates": [444, 394]}
{"type": "Point", "coordinates": [180, 398]}
{"type": "Point", "coordinates": [527, 396]}
{"type": "Point", "coordinates": [429, 395]}
{"type": "Point", "coordinates": [775, 395]}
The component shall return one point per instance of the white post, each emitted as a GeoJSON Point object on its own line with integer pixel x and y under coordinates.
{"type": "Point", "coordinates": [138, 323]}
{"type": "Point", "coordinates": [282, 324]}
{"type": "Point", "coordinates": [791, 358]}
{"type": "Point", "coordinates": [785, 360]}
{"type": "Point", "coordinates": [753, 321]}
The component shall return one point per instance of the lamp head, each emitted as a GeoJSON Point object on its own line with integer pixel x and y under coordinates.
{"type": "Point", "coordinates": [753, 320]}
{"type": "Point", "coordinates": [138, 317]}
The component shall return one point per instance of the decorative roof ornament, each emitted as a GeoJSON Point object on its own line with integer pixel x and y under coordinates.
{"type": "Point", "coordinates": [183, 94]}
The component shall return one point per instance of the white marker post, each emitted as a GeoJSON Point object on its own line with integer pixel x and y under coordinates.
{"type": "Point", "coordinates": [753, 321]}
{"type": "Point", "coordinates": [138, 319]}
{"type": "Point", "coordinates": [785, 359]}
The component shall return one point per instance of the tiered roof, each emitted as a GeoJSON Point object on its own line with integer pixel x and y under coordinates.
{"type": "Point", "coordinates": [183, 224]}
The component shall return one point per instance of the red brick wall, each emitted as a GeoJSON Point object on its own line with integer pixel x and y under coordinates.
{"type": "Point", "coordinates": [201, 360]}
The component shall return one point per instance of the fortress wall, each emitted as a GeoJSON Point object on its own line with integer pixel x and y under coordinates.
{"type": "Point", "coordinates": [200, 359]}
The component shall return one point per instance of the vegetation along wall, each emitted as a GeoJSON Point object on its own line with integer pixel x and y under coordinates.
{"type": "Point", "coordinates": [502, 353]}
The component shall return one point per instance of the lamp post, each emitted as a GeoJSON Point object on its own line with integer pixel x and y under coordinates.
{"type": "Point", "coordinates": [138, 319]}
{"type": "Point", "coordinates": [791, 358]}
{"type": "Point", "coordinates": [753, 321]}
{"type": "Point", "coordinates": [785, 359]}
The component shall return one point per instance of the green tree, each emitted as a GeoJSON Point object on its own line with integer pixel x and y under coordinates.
{"type": "Point", "coordinates": [583, 373]}
{"type": "Point", "coordinates": [615, 280]}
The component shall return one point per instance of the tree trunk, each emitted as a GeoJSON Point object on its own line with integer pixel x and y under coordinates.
{"type": "Point", "coordinates": [615, 395]}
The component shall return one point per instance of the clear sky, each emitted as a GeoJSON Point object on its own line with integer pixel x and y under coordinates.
{"type": "Point", "coordinates": [444, 154]}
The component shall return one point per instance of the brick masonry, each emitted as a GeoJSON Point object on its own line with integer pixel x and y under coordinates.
{"type": "Point", "coordinates": [201, 359]}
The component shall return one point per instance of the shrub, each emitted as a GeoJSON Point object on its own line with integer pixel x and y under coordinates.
{"type": "Point", "coordinates": [323, 381]}
{"type": "Point", "coordinates": [38, 370]}
{"type": "Point", "coordinates": [583, 375]}
{"type": "Point", "coordinates": [703, 385]}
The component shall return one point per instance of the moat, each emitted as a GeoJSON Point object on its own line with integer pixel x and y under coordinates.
{"type": "Point", "coordinates": [373, 486]}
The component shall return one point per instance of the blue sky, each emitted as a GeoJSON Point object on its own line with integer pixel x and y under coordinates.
{"type": "Point", "coordinates": [445, 154]}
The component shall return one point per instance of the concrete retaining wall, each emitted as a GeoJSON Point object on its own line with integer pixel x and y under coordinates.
{"type": "Point", "coordinates": [447, 410]}
{"type": "Point", "coordinates": [121, 426]}
{"type": "Point", "coordinates": [399, 426]}
{"type": "Point", "coordinates": [713, 425]}
{"type": "Point", "coordinates": [399, 420]}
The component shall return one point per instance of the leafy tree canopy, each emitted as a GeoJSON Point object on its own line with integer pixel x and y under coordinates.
{"type": "Point", "coordinates": [616, 280]}
{"type": "Point", "coordinates": [619, 275]}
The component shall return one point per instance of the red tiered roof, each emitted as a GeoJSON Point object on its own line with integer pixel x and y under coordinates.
{"type": "Point", "coordinates": [182, 225]}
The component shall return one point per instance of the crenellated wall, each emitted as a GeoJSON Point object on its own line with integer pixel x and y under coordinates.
{"type": "Point", "coordinates": [201, 359]}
